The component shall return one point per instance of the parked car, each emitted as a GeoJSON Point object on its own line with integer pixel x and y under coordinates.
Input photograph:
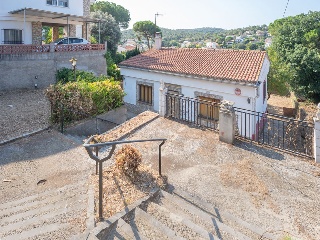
{"type": "Point", "coordinates": [72, 40]}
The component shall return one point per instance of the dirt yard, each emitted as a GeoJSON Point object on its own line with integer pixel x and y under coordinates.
{"type": "Point", "coordinates": [276, 104]}
{"type": "Point", "coordinates": [22, 111]}
{"type": "Point", "coordinates": [274, 190]}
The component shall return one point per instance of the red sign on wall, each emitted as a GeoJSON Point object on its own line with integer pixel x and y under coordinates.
{"type": "Point", "coordinates": [237, 91]}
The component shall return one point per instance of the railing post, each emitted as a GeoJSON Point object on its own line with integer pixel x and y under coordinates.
{"type": "Point", "coordinates": [316, 139]}
{"type": "Point", "coordinates": [160, 157]}
{"type": "Point", "coordinates": [162, 99]}
{"type": "Point", "coordinates": [100, 191]}
{"type": "Point", "coordinates": [227, 122]}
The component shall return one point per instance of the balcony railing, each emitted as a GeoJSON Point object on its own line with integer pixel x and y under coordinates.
{"type": "Point", "coordinates": [29, 48]}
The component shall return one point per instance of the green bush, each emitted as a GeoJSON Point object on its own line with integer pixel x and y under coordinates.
{"type": "Point", "coordinates": [132, 53]}
{"type": "Point", "coordinates": [78, 100]}
{"type": "Point", "coordinates": [65, 75]}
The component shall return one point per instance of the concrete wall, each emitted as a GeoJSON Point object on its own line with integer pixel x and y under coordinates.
{"type": "Point", "coordinates": [92, 126]}
{"type": "Point", "coordinates": [24, 71]}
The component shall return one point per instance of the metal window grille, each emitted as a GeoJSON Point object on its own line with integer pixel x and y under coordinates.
{"type": "Point", "coordinates": [12, 36]}
{"type": "Point", "coordinates": [145, 94]}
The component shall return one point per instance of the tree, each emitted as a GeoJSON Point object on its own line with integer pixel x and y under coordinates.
{"type": "Point", "coordinates": [296, 46]}
{"type": "Point", "coordinates": [146, 29]}
{"type": "Point", "coordinates": [119, 13]}
{"type": "Point", "coordinates": [109, 31]}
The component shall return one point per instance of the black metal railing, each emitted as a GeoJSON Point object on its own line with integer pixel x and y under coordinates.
{"type": "Point", "coordinates": [195, 111]}
{"type": "Point", "coordinates": [276, 131]}
{"type": "Point", "coordinates": [93, 151]}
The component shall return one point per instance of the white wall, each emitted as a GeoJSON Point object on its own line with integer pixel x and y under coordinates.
{"type": "Point", "coordinates": [75, 7]}
{"type": "Point", "coordinates": [189, 86]}
{"type": "Point", "coordinates": [16, 21]}
{"type": "Point", "coordinates": [26, 36]}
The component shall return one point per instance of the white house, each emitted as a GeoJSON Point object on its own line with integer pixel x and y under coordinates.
{"type": "Point", "coordinates": [21, 21]}
{"type": "Point", "coordinates": [212, 75]}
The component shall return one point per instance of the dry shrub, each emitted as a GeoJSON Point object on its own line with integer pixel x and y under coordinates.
{"type": "Point", "coordinates": [128, 159]}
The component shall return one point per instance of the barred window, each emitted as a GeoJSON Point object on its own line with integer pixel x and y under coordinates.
{"type": "Point", "coordinates": [145, 94]}
{"type": "Point", "coordinates": [61, 3]}
{"type": "Point", "coordinates": [12, 36]}
{"type": "Point", "coordinates": [209, 108]}
{"type": "Point", "coordinates": [264, 91]}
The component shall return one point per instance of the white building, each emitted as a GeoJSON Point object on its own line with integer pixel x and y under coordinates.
{"type": "Point", "coordinates": [21, 21]}
{"type": "Point", "coordinates": [212, 75]}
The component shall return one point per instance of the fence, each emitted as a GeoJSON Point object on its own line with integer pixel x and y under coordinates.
{"type": "Point", "coordinates": [195, 111]}
{"type": "Point", "coordinates": [275, 131]}
{"type": "Point", "coordinates": [270, 130]}
{"type": "Point", "coordinates": [29, 48]}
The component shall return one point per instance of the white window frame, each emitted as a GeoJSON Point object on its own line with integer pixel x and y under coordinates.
{"type": "Point", "coordinates": [57, 3]}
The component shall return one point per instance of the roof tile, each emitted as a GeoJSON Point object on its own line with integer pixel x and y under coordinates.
{"type": "Point", "coordinates": [235, 65]}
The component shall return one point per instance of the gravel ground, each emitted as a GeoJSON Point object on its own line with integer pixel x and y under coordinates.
{"type": "Point", "coordinates": [51, 165]}
{"type": "Point", "coordinates": [274, 190]}
{"type": "Point", "coordinates": [22, 112]}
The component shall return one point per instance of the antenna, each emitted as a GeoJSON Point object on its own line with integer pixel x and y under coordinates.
{"type": "Point", "coordinates": [286, 8]}
{"type": "Point", "coordinates": [155, 17]}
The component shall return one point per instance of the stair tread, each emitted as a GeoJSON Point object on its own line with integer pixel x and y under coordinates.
{"type": "Point", "coordinates": [186, 221]}
{"type": "Point", "coordinates": [253, 228]}
{"type": "Point", "coordinates": [151, 221]}
{"type": "Point", "coordinates": [206, 217]}
{"type": "Point", "coordinates": [36, 231]}
{"type": "Point", "coordinates": [50, 193]}
{"type": "Point", "coordinates": [128, 231]}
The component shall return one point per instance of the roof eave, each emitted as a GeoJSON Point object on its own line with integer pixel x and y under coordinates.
{"type": "Point", "coordinates": [224, 80]}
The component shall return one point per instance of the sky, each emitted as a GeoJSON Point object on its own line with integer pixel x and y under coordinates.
{"type": "Point", "coordinates": [226, 14]}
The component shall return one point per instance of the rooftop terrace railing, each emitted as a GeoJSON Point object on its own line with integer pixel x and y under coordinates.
{"type": "Point", "coordinates": [45, 48]}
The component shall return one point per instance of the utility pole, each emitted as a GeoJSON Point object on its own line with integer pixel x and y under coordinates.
{"type": "Point", "coordinates": [155, 17]}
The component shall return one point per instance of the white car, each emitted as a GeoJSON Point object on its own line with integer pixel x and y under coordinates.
{"type": "Point", "coordinates": [71, 40]}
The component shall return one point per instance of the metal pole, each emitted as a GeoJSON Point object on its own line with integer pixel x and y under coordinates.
{"type": "Point", "coordinates": [100, 192]}
{"type": "Point", "coordinates": [160, 157]}
{"type": "Point", "coordinates": [74, 69]}
{"type": "Point", "coordinates": [24, 25]}
{"type": "Point", "coordinates": [97, 151]}
{"type": "Point", "coordinates": [87, 30]}
{"type": "Point", "coordinates": [68, 31]}
{"type": "Point", "coordinates": [99, 32]}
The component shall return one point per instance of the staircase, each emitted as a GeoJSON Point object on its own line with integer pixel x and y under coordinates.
{"type": "Point", "coordinates": [53, 214]}
{"type": "Point", "coordinates": [182, 216]}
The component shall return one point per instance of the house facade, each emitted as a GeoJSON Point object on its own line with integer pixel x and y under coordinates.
{"type": "Point", "coordinates": [209, 75]}
{"type": "Point", "coordinates": [21, 22]}
{"type": "Point", "coordinates": [239, 76]}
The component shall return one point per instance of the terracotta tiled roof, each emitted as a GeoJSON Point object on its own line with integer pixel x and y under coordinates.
{"type": "Point", "coordinates": [235, 65]}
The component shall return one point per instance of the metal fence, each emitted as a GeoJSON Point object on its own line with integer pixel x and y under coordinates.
{"type": "Point", "coordinates": [275, 131]}
{"type": "Point", "coordinates": [198, 112]}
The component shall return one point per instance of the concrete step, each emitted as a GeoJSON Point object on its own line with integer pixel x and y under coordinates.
{"type": "Point", "coordinates": [43, 213]}
{"type": "Point", "coordinates": [41, 196]}
{"type": "Point", "coordinates": [221, 220]}
{"type": "Point", "coordinates": [36, 231]}
{"type": "Point", "coordinates": [150, 227]}
{"type": "Point", "coordinates": [126, 231]}
{"type": "Point", "coordinates": [203, 218]}
{"type": "Point", "coordinates": [182, 226]}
